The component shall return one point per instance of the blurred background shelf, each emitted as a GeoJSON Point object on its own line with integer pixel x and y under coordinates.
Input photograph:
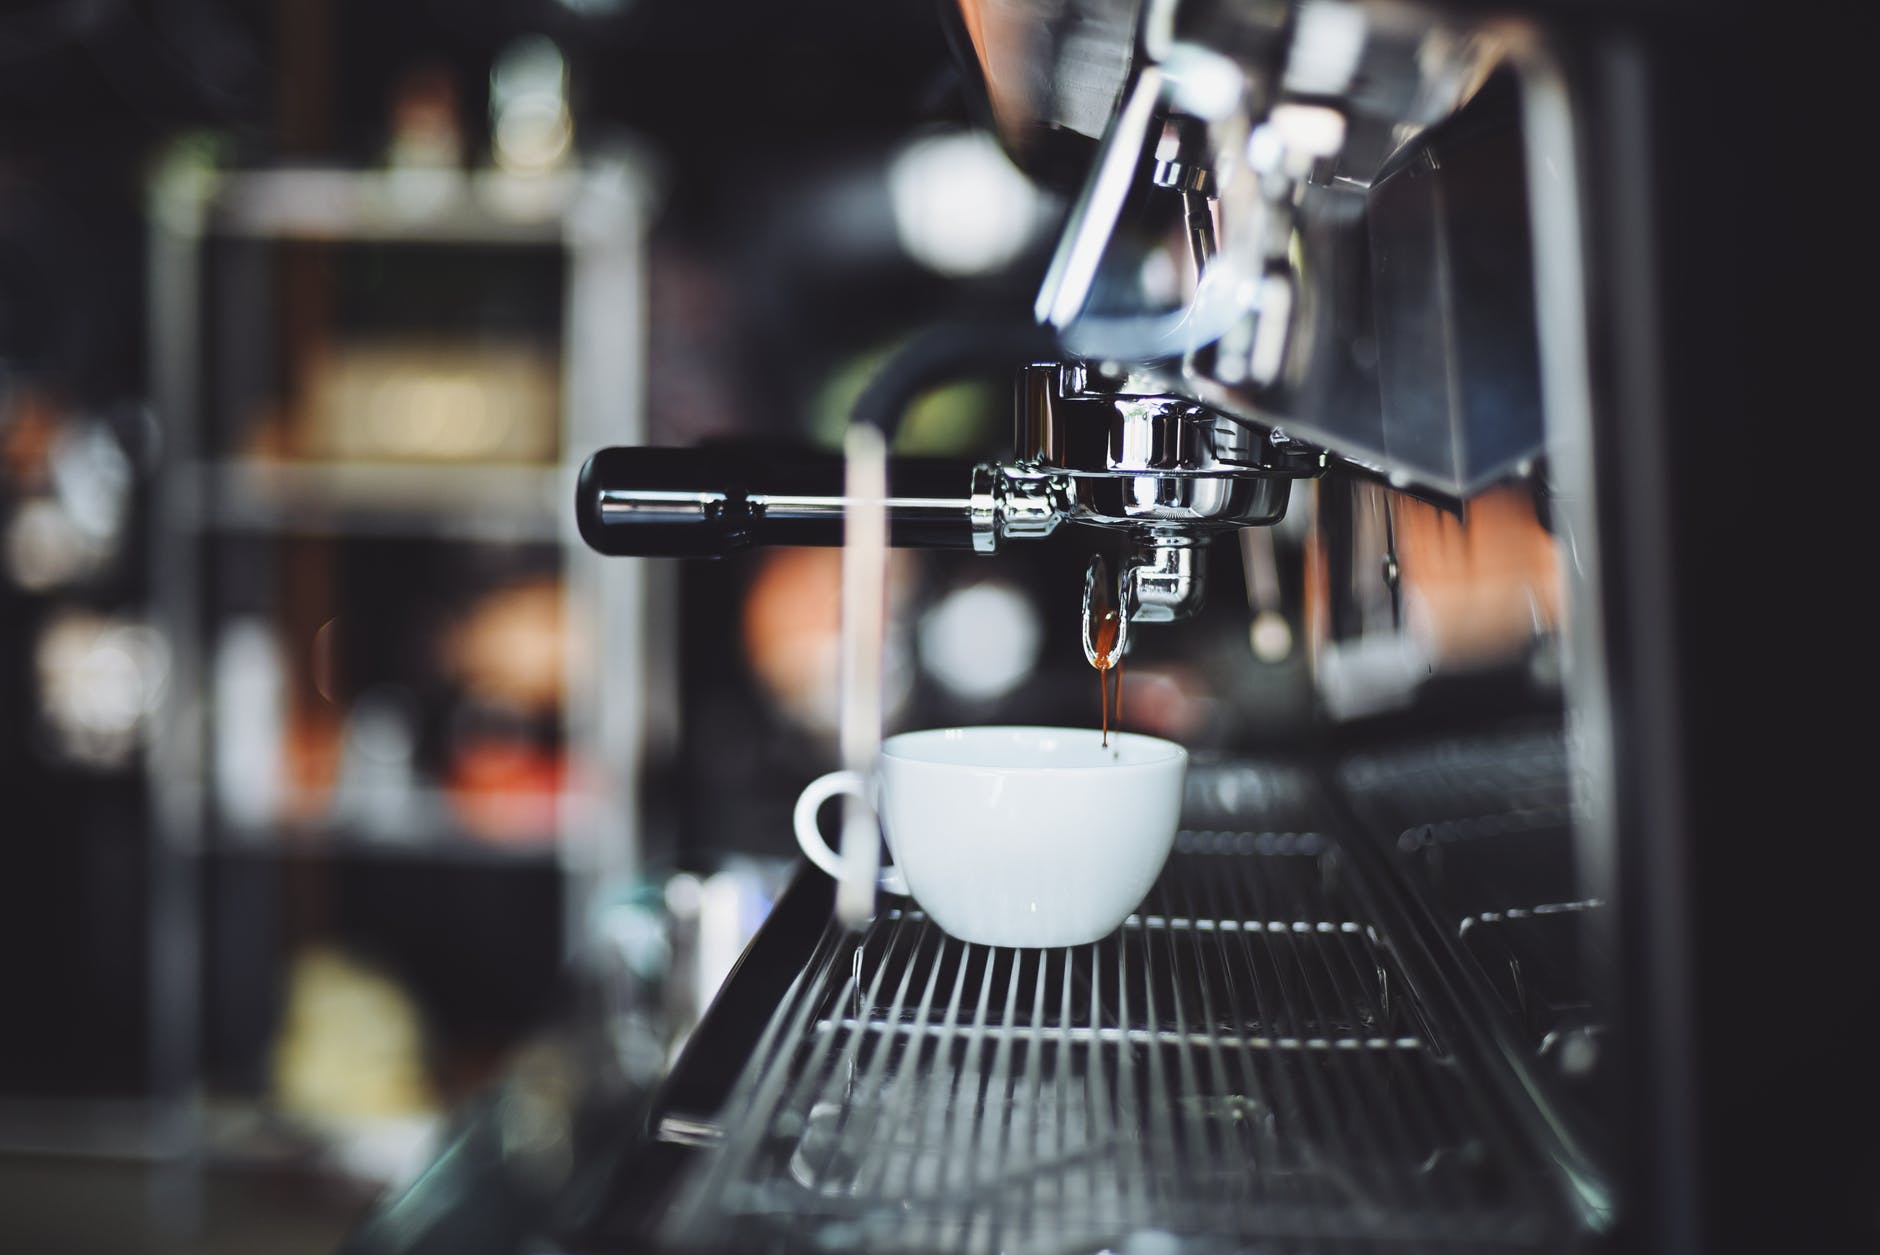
{"type": "Point", "coordinates": [392, 795]}
{"type": "Point", "coordinates": [340, 843]}
{"type": "Point", "coordinates": [502, 504]}
{"type": "Point", "coordinates": [426, 825]}
{"type": "Point", "coordinates": [421, 206]}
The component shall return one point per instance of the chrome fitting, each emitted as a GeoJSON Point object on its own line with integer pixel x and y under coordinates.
{"type": "Point", "coordinates": [1166, 580]}
{"type": "Point", "coordinates": [1014, 504]}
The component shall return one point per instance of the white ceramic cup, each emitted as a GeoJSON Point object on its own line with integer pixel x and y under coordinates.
{"type": "Point", "coordinates": [1016, 836]}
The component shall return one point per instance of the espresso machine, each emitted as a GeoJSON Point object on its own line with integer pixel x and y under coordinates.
{"type": "Point", "coordinates": [1409, 306]}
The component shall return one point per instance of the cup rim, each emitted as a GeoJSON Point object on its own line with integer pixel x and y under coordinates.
{"type": "Point", "coordinates": [1172, 751]}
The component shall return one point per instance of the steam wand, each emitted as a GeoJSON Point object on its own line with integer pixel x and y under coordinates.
{"type": "Point", "coordinates": [865, 510]}
{"type": "Point", "coordinates": [863, 634]}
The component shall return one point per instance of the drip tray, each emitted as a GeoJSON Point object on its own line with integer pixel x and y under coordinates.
{"type": "Point", "coordinates": [1244, 1061]}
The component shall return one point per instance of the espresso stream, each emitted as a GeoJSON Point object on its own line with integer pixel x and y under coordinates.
{"type": "Point", "coordinates": [1108, 662]}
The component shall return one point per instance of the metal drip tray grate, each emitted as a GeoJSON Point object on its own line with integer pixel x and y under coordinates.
{"type": "Point", "coordinates": [1465, 790]}
{"type": "Point", "coordinates": [1484, 826]}
{"type": "Point", "coordinates": [1243, 1061]}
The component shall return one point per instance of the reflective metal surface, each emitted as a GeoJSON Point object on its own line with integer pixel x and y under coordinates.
{"type": "Point", "coordinates": [1071, 419]}
{"type": "Point", "coordinates": [1451, 257]}
{"type": "Point", "coordinates": [1311, 148]}
{"type": "Point", "coordinates": [1166, 580]}
{"type": "Point", "coordinates": [1162, 468]}
{"type": "Point", "coordinates": [1015, 504]}
{"type": "Point", "coordinates": [1250, 1062]}
{"type": "Point", "coordinates": [1483, 828]}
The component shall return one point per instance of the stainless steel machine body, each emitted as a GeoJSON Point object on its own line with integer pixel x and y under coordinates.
{"type": "Point", "coordinates": [1410, 279]}
{"type": "Point", "coordinates": [1375, 222]}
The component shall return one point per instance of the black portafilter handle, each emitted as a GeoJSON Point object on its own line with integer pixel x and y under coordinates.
{"type": "Point", "coordinates": [707, 502]}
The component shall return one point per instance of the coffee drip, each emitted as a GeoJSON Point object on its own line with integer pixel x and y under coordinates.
{"type": "Point", "coordinates": [1106, 636]}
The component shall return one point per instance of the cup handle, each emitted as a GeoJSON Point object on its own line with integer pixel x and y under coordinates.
{"type": "Point", "coordinates": [810, 802]}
